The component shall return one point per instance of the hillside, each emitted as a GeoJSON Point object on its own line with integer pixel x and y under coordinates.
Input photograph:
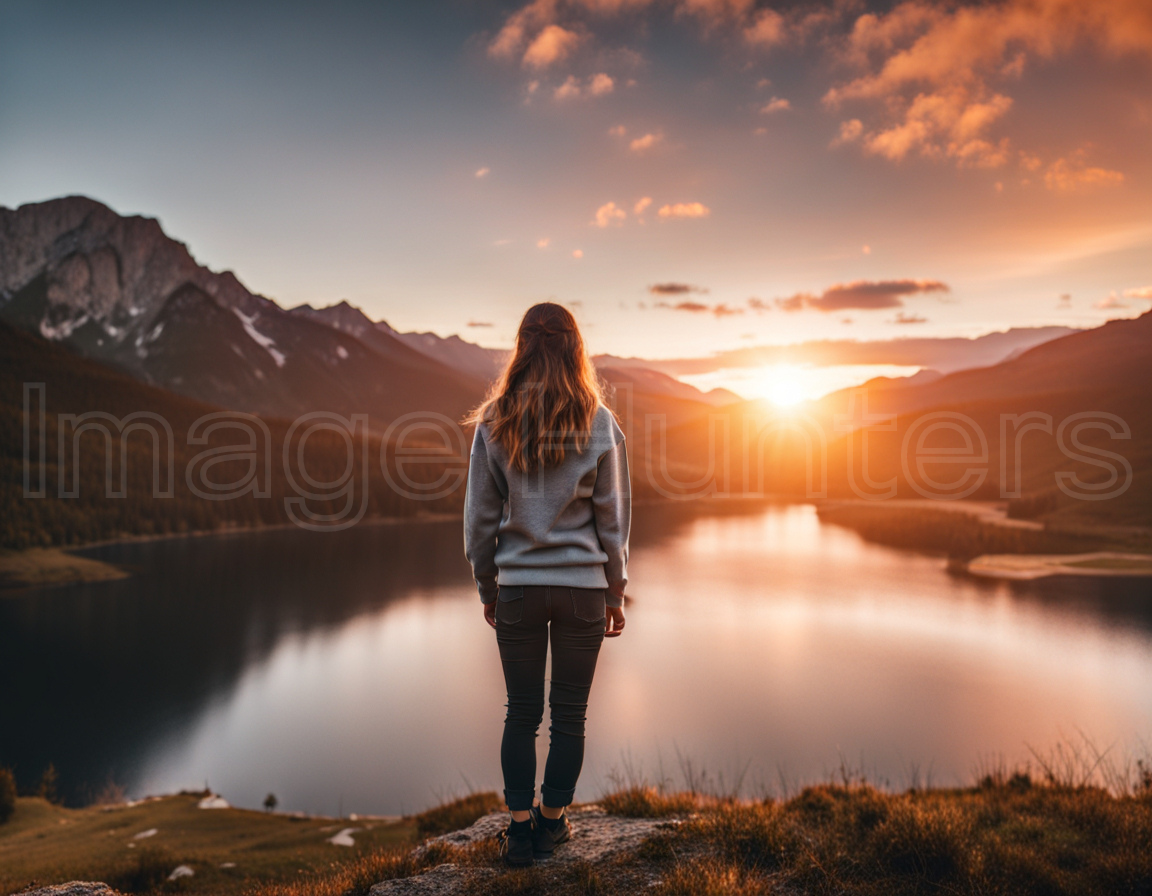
{"type": "Point", "coordinates": [76, 385]}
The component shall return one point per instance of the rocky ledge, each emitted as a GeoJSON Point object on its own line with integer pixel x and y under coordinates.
{"type": "Point", "coordinates": [596, 838]}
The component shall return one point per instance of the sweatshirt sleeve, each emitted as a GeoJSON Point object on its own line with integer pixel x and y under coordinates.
{"type": "Point", "coordinates": [612, 504]}
{"type": "Point", "coordinates": [483, 509]}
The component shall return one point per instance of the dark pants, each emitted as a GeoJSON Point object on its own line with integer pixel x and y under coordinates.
{"type": "Point", "coordinates": [524, 616]}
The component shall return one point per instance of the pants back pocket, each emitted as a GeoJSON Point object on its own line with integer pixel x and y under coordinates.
{"type": "Point", "coordinates": [510, 604]}
{"type": "Point", "coordinates": [588, 604]}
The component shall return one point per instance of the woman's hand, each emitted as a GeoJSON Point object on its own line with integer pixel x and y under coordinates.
{"type": "Point", "coordinates": [490, 613]}
{"type": "Point", "coordinates": [613, 622]}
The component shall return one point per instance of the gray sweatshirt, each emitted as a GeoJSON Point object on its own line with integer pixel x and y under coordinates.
{"type": "Point", "coordinates": [562, 525]}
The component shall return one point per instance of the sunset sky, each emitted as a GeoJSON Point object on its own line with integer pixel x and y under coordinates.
{"type": "Point", "coordinates": [690, 176]}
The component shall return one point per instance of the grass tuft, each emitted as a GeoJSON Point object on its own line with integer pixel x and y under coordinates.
{"type": "Point", "coordinates": [456, 814]}
{"type": "Point", "coordinates": [645, 801]}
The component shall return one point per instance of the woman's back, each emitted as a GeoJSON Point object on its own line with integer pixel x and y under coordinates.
{"type": "Point", "coordinates": [564, 524]}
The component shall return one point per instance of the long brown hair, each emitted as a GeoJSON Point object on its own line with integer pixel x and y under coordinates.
{"type": "Point", "coordinates": [544, 400]}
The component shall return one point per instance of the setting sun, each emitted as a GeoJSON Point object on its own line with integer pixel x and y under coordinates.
{"type": "Point", "coordinates": [782, 384]}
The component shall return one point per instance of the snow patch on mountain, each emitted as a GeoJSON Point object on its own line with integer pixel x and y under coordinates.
{"type": "Point", "coordinates": [265, 342]}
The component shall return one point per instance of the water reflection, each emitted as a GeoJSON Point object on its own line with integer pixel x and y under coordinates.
{"type": "Point", "coordinates": [353, 671]}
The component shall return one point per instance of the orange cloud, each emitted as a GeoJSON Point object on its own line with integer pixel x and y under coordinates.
{"type": "Point", "coordinates": [675, 289]}
{"type": "Point", "coordinates": [766, 29]}
{"type": "Point", "coordinates": [483, 172]}
{"type": "Point", "coordinates": [609, 215]}
{"type": "Point", "coordinates": [934, 67]}
{"type": "Point", "coordinates": [553, 44]}
{"type": "Point", "coordinates": [641, 205]}
{"type": "Point", "coordinates": [645, 143]}
{"type": "Point", "coordinates": [776, 104]}
{"type": "Point", "coordinates": [597, 85]}
{"type": "Point", "coordinates": [1142, 292]}
{"type": "Point", "coordinates": [684, 210]}
{"type": "Point", "coordinates": [1110, 303]}
{"type": "Point", "coordinates": [568, 90]}
{"type": "Point", "coordinates": [850, 131]}
{"type": "Point", "coordinates": [510, 38]}
{"type": "Point", "coordinates": [945, 124]}
{"type": "Point", "coordinates": [1065, 176]}
{"type": "Point", "coordinates": [862, 294]}
{"type": "Point", "coordinates": [600, 84]}
{"type": "Point", "coordinates": [720, 310]}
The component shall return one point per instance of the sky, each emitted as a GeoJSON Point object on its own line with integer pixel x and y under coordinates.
{"type": "Point", "coordinates": [689, 176]}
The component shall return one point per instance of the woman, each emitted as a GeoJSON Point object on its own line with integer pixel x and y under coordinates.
{"type": "Point", "coordinates": [546, 521]}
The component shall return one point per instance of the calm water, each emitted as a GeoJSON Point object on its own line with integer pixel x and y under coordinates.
{"type": "Point", "coordinates": [353, 671]}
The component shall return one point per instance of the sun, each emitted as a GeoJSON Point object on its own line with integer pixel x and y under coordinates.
{"type": "Point", "coordinates": [782, 385]}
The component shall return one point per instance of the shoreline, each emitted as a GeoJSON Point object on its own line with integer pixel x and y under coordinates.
{"type": "Point", "coordinates": [1027, 567]}
{"type": "Point", "coordinates": [42, 568]}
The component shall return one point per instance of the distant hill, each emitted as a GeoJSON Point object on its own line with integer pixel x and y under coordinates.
{"type": "Point", "coordinates": [76, 385]}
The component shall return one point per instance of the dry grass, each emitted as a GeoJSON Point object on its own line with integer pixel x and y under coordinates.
{"type": "Point", "coordinates": [646, 801]}
{"type": "Point", "coordinates": [456, 814]}
{"type": "Point", "coordinates": [1014, 840]}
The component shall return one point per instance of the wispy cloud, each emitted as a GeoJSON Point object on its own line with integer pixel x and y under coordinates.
{"type": "Point", "coordinates": [483, 172]}
{"type": "Point", "coordinates": [573, 88]}
{"type": "Point", "coordinates": [862, 294]}
{"type": "Point", "coordinates": [609, 215]}
{"type": "Point", "coordinates": [1140, 292]}
{"type": "Point", "coordinates": [720, 310]}
{"type": "Point", "coordinates": [480, 323]}
{"type": "Point", "coordinates": [1066, 175]}
{"type": "Point", "coordinates": [1111, 302]}
{"type": "Point", "coordinates": [641, 205]}
{"type": "Point", "coordinates": [645, 143]}
{"type": "Point", "coordinates": [684, 210]}
{"type": "Point", "coordinates": [776, 104]}
{"type": "Point", "coordinates": [676, 289]}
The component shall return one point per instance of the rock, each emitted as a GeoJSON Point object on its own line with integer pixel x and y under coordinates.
{"type": "Point", "coordinates": [443, 879]}
{"type": "Point", "coordinates": [595, 833]}
{"type": "Point", "coordinates": [596, 836]}
{"type": "Point", "coordinates": [74, 888]}
{"type": "Point", "coordinates": [344, 838]}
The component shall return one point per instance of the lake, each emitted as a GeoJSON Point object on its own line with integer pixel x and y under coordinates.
{"type": "Point", "coordinates": [353, 672]}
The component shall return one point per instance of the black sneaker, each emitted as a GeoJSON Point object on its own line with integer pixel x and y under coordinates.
{"type": "Point", "coordinates": [516, 843]}
{"type": "Point", "coordinates": [545, 841]}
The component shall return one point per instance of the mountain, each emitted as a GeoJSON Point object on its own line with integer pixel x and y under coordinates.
{"type": "Point", "coordinates": [944, 354]}
{"type": "Point", "coordinates": [118, 290]}
{"type": "Point", "coordinates": [458, 353]}
{"type": "Point", "coordinates": [1109, 359]}
{"type": "Point", "coordinates": [77, 385]}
